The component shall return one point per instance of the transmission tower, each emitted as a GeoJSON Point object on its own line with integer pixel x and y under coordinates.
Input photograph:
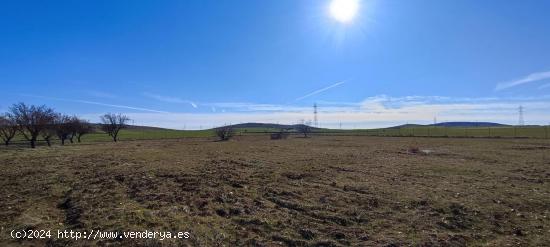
{"type": "Point", "coordinates": [521, 120]}
{"type": "Point", "coordinates": [315, 120]}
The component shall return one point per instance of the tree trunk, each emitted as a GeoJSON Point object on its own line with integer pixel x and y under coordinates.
{"type": "Point", "coordinates": [78, 138]}
{"type": "Point", "coordinates": [71, 139]}
{"type": "Point", "coordinates": [7, 143]}
{"type": "Point", "coordinates": [62, 141]}
{"type": "Point", "coordinates": [33, 143]}
{"type": "Point", "coordinates": [48, 142]}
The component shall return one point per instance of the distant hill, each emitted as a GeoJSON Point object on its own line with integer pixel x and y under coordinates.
{"type": "Point", "coordinates": [453, 124]}
{"type": "Point", "coordinates": [468, 124]}
{"type": "Point", "coordinates": [134, 127]}
{"type": "Point", "coordinates": [262, 125]}
{"type": "Point", "coordinates": [406, 126]}
{"type": "Point", "coordinates": [137, 127]}
{"type": "Point", "coordinates": [268, 126]}
{"type": "Point", "coordinates": [443, 124]}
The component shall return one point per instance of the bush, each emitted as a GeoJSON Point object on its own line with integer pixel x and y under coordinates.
{"type": "Point", "coordinates": [224, 133]}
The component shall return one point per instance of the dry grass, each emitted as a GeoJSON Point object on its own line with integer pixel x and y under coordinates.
{"type": "Point", "coordinates": [320, 191]}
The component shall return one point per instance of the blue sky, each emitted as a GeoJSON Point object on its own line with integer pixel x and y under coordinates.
{"type": "Point", "coordinates": [193, 64]}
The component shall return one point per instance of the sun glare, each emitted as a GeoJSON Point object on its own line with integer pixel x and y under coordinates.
{"type": "Point", "coordinates": [344, 10]}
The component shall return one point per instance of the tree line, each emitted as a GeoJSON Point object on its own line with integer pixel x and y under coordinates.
{"type": "Point", "coordinates": [33, 122]}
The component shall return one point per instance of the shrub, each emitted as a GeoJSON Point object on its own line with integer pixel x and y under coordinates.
{"type": "Point", "coordinates": [224, 133]}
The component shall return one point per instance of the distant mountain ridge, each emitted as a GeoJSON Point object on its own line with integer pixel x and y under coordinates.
{"type": "Point", "coordinates": [442, 124]}
{"type": "Point", "coordinates": [266, 125]}
{"type": "Point", "coordinates": [295, 126]}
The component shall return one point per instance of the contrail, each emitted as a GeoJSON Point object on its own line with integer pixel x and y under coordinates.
{"type": "Point", "coordinates": [118, 106]}
{"type": "Point", "coordinates": [530, 78]}
{"type": "Point", "coordinates": [95, 103]}
{"type": "Point", "coordinates": [170, 99]}
{"type": "Point", "coordinates": [320, 90]}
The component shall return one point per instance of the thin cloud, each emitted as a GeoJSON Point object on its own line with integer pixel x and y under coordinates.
{"type": "Point", "coordinates": [320, 91]}
{"type": "Point", "coordinates": [244, 106]}
{"type": "Point", "coordinates": [118, 106]}
{"type": "Point", "coordinates": [373, 112]}
{"type": "Point", "coordinates": [170, 99]}
{"type": "Point", "coordinates": [96, 103]}
{"type": "Point", "coordinates": [545, 86]}
{"type": "Point", "coordinates": [530, 78]}
{"type": "Point", "coordinates": [502, 111]}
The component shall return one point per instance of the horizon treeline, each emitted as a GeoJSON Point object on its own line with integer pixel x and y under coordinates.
{"type": "Point", "coordinates": [33, 122]}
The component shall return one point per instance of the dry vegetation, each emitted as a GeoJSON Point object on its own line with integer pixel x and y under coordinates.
{"type": "Point", "coordinates": [319, 191]}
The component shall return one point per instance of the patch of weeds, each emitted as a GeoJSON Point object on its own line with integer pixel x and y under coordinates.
{"type": "Point", "coordinates": [458, 219]}
{"type": "Point", "coordinates": [307, 233]}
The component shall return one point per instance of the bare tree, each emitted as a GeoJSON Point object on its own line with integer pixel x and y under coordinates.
{"type": "Point", "coordinates": [31, 120]}
{"type": "Point", "coordinates": [224, 133]}
{"type": "Point", "coordinates": [73, 124]}
{"type": "Point", "coordinates": [63, 128]}
{"type": "Point", "coordinates": [304, 129]}
{"type": "Point", "coordinates": [83, 128]}
{"type": "Point", "coordinates": [8, 128]}
{"type": "Point", "coordinates": [48, 133]}
{"type": "Point", "coordinates": [113, 123]}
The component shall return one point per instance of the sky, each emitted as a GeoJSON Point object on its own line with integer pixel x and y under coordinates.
{"type": "Point", "coordinates": [201, 63]}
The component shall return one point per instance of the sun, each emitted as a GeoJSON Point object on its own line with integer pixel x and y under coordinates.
{"type": "Point", "coordinates": [344, 11]}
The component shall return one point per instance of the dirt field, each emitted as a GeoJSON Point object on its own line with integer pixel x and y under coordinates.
{"type": "Point", "coordinates": [320, 191]}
